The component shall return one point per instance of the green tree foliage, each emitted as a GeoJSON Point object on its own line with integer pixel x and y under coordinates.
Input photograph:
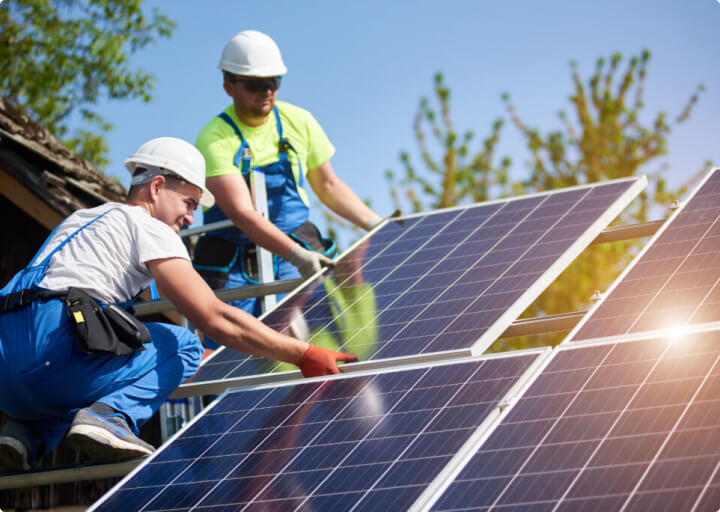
{"type": "Point", "coordinates": [607, 136]}
{"type": "Point", "coordinates": [58, 58]}
{"type": "Point", "coordinates": [458, 174]}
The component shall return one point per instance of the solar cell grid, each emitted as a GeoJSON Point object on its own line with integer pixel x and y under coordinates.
{"type": "Point", "coordinates": [366, 442]}
{"type": "Point", "coordinates": [674, 281]}
{"type": "Point", "coordinates": [626, 426]}
{"type": "Point", "coordinates": [438, 282]}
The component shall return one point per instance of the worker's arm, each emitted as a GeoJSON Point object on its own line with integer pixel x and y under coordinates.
{"type": "Point", "coordinates": [340, 198]}
{"type": "Point", "coordinates": [233, 197]}
{"type": "Point", "coordinates": [233, 327]}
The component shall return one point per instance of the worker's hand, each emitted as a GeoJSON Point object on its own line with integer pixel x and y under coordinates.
{"type": "Point", "coordinates": [308, 262]}
{"type": "Point", "coordinates": [375, 220]}
{"type": "Point", "coordinates": [321, 361]}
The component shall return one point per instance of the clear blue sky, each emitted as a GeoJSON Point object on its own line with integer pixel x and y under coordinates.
{"type": "Point", "coordinates": [362, 67]}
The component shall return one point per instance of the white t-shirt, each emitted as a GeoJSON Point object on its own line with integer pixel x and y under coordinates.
{"type": "Point", "coordinates": [107, 258]}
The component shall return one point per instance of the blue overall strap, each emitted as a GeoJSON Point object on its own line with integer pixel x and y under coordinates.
{"type": "Point", "coordinates": [67, 239]}
{"type": "Point", "coordinates": [242, 157]}
{"type": "Point", "coordinates": [124, 305]}
{"type": "Point", "coordinates": [30, 277]}
{"type": "Point", "coordinates": [128, 304]}
{"type": "Point", "coordinates": [284, 145]}
{"type": "Point", "coordinates": [45, 243]}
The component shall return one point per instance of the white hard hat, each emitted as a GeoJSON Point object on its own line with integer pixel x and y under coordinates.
{"type": "Point", "coordinates": [174, 155]}
{"type": "Point", "coordinates": [252, 53]}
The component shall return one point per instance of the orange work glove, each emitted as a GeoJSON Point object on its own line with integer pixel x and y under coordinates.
{"type": "Point", "coordinates": [320, 361]}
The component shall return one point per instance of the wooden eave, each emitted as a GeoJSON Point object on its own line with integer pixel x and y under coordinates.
{"type": "Point", "coordinates": [43, 177]}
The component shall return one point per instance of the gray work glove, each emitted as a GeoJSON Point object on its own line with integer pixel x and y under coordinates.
{"type": "Point", "coordinates": [372, 222]}
{"type": "Point", "coordinates": [308, 262]}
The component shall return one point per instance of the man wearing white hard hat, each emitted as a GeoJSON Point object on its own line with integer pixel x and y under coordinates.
{"type": "Point", "coordinates": [286, 144]}
{"type": "Point", "coordinates": [73, 357]}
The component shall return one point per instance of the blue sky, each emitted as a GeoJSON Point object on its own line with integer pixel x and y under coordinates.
{"type": "Point", "coordinates": [362, 67]}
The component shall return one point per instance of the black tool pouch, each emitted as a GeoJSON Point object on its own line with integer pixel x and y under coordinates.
{"type": "Point", "coordinates": [248, 253]}
{"type": "Point", "coordinates": [213, 258]}
{"type": "Point", "coordinates": [127, 328]}
{"type": "Point", "coordinates": [111, 331]}
{"type": "Point", "coordinates": [309, 236]}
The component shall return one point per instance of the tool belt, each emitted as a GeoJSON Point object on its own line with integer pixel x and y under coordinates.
{"type": "Point", "coordinates": [103, 331]}
{"type": "Point", "coordinates": [214, 257]}
{"type": "Point", "coordinates": [107, 331]}
{"type": "Point", "coordinates": [18, 300]}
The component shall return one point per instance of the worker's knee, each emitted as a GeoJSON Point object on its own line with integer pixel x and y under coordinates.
{"type": "Point", "coordinates": [173, 340]}
{"type": "Point", "coordinates": [192, 351]}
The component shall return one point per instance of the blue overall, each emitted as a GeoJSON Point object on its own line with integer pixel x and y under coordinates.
{"type": "Point", "coordinates": [286, 209]}
{"type": "Point", "coordinates": [45, 377]}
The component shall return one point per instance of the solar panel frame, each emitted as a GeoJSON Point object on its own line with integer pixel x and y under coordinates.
{"type": "Point", "coordinates": [481, 342]}
{"type": "Point", "coordinates": [437, 489]}
{"type": "Point", "coordinates": [444, 479]}
{"type": "Point", "coordinates": [638, 260]}
{"type": "Point", "coordinates": [539, 355]}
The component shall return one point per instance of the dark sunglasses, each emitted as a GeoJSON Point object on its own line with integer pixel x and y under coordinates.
{"type": "Point", "coordinates": [258, 84]}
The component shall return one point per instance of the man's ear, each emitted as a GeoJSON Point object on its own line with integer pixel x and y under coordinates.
{"type": "Point", "coordinates": [157, 183]}
{"type": "Point", "coordinates": [228, 87]}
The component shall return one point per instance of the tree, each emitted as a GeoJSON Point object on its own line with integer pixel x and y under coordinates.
{"type": "Point", "coordinates": [60, 57]}
{"type": "Point", "coordinates": [607, 139]}
{"type": "Point", "coordinates": [459, 174]}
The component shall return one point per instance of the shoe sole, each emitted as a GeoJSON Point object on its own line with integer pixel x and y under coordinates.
{"type": "Point", "coordinates": [102, 446]}
{"type": "Point", "coordinates": [12, 459]}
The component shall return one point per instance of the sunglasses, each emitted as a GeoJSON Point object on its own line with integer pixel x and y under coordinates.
{"type": "Point", "coordinates": [258, 84]}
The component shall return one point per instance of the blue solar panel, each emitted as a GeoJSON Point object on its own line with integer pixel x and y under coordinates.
{"type": "Point", "coordinates": [368, 442]}
{"type": "Point", "coordinates": [674, 281]}
{"type": "Point", "coordinates": [626, 426]}
{"type": "Point", "coordinates": [451, 280]}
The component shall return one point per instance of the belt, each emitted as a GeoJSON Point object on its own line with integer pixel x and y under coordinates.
{"type": "Point", "coordinates": [18, 300]}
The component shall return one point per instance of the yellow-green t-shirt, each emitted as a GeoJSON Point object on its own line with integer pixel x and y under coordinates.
{"type": "Point", "coordinates": [218, 142]}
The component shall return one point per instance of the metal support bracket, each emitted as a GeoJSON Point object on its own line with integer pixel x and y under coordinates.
{"type": "Point", "coordinates": [64, 475]}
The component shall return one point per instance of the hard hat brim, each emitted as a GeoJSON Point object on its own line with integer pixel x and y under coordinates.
{"type": "Point", "coordinates": [266, 72]}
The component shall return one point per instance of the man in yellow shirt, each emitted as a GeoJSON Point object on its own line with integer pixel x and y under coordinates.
{"type": "Point", "coordinates": [286, 144]}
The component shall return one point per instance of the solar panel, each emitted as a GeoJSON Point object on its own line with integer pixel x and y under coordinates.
{"type": "Point", "coordinates": [367, 442]}
{"type": "Point", "coordinates": [633, 425]}
{"type": "Point", "coordinates": [674, 280]}
{"type": "Point", "coordinates": [444, 282]}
